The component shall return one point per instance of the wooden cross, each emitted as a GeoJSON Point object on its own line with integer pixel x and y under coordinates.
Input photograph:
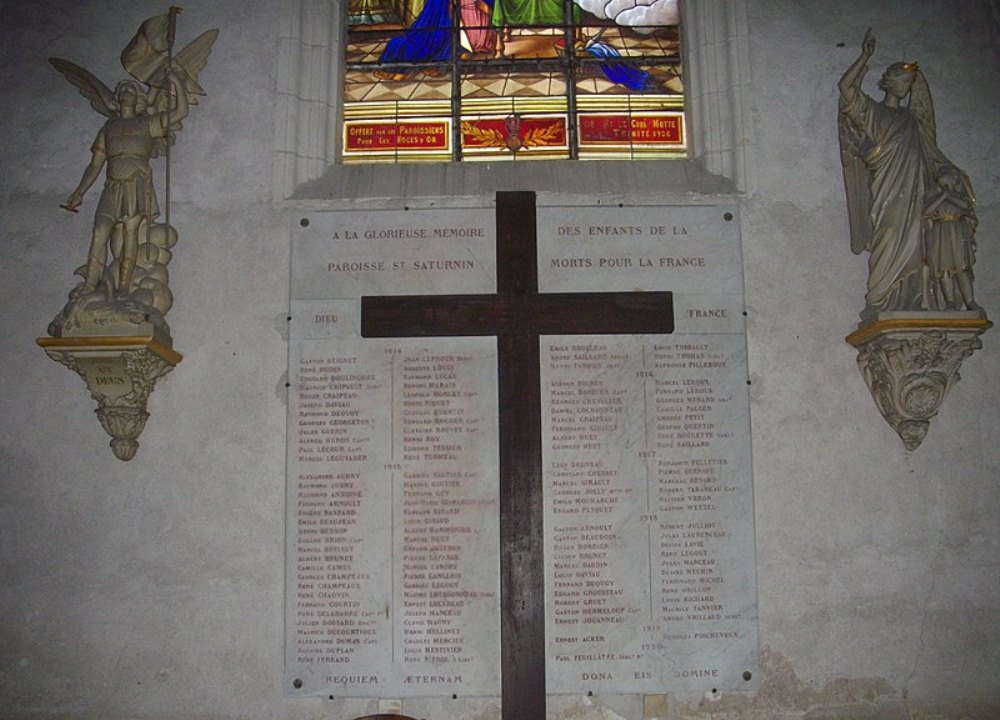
{"type": "Point", "coordinates": [518, 315]}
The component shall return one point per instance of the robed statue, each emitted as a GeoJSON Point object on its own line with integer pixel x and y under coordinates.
{"type": "Point", "coordinates": [913, 211]}
{"type": "Point", "coordinates": [143, 114]}
{"type": "Point", "coordinates": [909, 206]}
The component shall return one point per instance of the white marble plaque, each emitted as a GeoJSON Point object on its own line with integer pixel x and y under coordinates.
{"type": "Point", "coordinates": [650, 569]}
{"type": "Point", "coordinates": [393, 551]}
{"type": "Point", "coordinates": [392, 508]}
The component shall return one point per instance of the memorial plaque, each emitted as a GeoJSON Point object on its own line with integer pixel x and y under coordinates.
{"type": "Point", "coordinates": [392, 515]}
{"type": "Point", "coordinates": [393, 564]}
{"type": "Point", "coordinates": [650, 579]}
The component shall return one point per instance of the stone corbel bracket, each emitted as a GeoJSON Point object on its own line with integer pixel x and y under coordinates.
{"type": "Point", "coordinates": [120, 373]}
{"type": "Point", "coordinates": [910, 360]}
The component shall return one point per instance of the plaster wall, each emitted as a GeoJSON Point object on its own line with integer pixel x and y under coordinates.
{"type": "Point", "coordinates": [154, 588]}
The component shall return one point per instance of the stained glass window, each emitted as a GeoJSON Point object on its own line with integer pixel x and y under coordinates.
{"type": "Point", "coordinates": [474, 80]}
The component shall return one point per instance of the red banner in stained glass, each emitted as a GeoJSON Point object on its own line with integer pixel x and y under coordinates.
{"type": "Point", "coordinates": [514, 133]}
{"type": "Point", "coordinates": [362, 136]}
{"type": "Point", "coordinates": [632, 129]}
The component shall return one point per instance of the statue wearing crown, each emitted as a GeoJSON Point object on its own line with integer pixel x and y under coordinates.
{"type": "Point", "coordinates": [913, 210]}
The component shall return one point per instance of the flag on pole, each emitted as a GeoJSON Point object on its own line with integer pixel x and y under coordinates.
{"type": "Point", "coordinates": [147, 58]}
{"type": "Point", "coordinates": [144, 57]}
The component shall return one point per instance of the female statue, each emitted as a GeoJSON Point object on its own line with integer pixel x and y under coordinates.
{"type": "Point", "coordinates": [890, 158]}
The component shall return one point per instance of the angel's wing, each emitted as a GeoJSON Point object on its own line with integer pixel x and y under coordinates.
{"type": "Point", "coordinates": [188, 64]}
{"type": "Point", "coordinates": [100, 96]}
{"type": "Point", "coordinates": [922, 106]}
{"type": "Point", "coordinates": [852, 149]}
{"type": "Point", "coordinates": [192, 60]}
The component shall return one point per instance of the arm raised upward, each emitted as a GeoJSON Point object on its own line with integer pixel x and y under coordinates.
{"type": "Point", "coordinates": [181, 106]}
{"type": "Point", "coordinates": [850, 83]}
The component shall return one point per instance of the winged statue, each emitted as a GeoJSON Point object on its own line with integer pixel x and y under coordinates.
{"type": "Point", "coordinates": [144, 112]}
{"type": "Point", "coordinates": [909, 206]}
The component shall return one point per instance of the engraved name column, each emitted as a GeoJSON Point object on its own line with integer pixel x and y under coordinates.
{"type": "Point", "coordinates": [338, 614]}
{"type": "Point", "coordinates": [392, 499]}
{"type": "Point", "coordinates": [650, 580]}
{"type": "Point", "coordinates": [446, 502]}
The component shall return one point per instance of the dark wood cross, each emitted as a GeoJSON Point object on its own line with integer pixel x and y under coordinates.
{"type": "Point", "coordinates": [518, 315]}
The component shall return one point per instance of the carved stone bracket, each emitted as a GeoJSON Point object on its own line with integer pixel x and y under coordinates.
{"type": "Point", "coordinates": [910, 361]}
{"type": "Point", "coordinates": [120, 372]}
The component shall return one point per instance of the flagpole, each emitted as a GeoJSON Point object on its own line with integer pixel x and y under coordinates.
{"type": "Point", "coordinates": [171, 34]}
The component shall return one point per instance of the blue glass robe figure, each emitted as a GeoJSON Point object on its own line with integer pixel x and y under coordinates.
{"type": "Point", "coordinates": [618, 72]}
{"type": "Point", "coordinates": [428, 39]}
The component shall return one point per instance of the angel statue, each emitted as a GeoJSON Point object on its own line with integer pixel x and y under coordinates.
{"type": "Point", "coordinates": [892, 169]}
{"type": "Point", "coordinates": [144, 112]}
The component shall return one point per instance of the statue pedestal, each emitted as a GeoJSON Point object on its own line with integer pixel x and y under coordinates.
{"type": "Point", "coordinates": [910, 360]}
{"type": "Point", "coordinates": [120, 372]}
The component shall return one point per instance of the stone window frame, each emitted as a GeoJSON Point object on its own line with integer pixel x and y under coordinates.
{"type": "Point", "coordinates": [306, 166]}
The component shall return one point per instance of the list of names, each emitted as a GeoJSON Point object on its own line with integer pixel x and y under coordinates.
{"type": "Point", "coordinates": [395, 509]}
{"type": "Point", "coordinates": [648, 510]}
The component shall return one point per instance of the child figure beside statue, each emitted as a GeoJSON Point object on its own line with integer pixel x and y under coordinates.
{"type": "Point", "coordinates": [950, 236]}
